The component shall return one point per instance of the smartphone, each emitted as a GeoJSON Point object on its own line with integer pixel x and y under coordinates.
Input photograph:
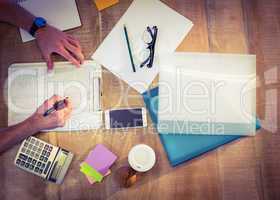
{"type": "Point", "coordinates": [126, 118]}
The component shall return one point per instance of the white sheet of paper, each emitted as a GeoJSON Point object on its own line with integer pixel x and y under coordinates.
{"type": "Point", "coordinates": [62, 14]}
{"type": "Point", "coordinates": [207, 93]}
{"type": "Point", "coordinates": [29, 85]}
{"type": "Point", "coordinates": [113, 52]}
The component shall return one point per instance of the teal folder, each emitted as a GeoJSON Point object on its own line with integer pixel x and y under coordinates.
{"type": "Point", "coordinates": [181, 148]}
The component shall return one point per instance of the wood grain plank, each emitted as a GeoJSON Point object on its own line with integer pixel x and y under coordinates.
{"type": "Point", "coordinates": [263, 20]}
{"type": "Point", "coordinates": [197, 39]}
{"type": "Point", "coordinates": [239, 170]}
{"type": "Point", "coordinates": [226, 26]}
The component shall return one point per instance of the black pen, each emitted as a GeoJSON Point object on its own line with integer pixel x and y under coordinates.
{"type": "Point", "coordinates": [57, 106]}
{"type": "Point", "coordinates": [129, 48]}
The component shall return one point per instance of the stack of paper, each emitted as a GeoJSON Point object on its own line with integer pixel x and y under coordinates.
{"type": "Point", "coordinates": [98, 163]}
{"type": "Point", "coordinates": [113, 53]}
{"type": "Point", "coordinates": [205, 93]}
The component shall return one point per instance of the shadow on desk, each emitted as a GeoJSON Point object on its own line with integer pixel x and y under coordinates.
{"type": "Point", "coordinates": [115, 184]}
{"type": "Point", "coordinates": [195, 171]}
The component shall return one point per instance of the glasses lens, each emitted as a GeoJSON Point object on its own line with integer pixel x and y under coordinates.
{"type": "Point", "coordinates": [144, 55]}
{"type": "Point", "coordinates": [147, 38]}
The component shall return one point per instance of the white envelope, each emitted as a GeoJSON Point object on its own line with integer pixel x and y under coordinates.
{"type": "Point", "coordinates": [207, 93]}
{"type": "Point", "coordinates": [113, 52]}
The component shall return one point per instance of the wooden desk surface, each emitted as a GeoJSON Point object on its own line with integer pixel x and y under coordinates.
{"type": "Point", "coordinates": [245, 169]}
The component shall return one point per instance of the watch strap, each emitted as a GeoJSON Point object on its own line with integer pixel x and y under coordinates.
{"type": "Point", "coordinates": [33, 29]}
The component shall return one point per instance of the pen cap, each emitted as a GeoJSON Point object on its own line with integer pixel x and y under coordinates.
{"type": "Point", "coordinates": [141, 158]}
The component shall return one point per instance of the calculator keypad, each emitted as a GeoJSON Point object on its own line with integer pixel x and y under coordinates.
{"type": "Point", "coordinates": [34, 156]}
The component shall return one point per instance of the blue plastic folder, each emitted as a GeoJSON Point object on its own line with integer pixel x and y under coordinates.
{"type": "Point", "coordinates": [181, 148]}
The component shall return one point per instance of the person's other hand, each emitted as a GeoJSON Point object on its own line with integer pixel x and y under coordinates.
{"type": "Point", "coordinates": [51, 40]}
{"type": "Point", "coordinates": [55, 119]}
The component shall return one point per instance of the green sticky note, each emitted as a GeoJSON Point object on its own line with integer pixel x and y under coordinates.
{"type": "Point", "coordinates": [89, 171]}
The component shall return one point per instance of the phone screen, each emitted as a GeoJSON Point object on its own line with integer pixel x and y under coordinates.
{"type": "Point", "coordinates": [126, 118]}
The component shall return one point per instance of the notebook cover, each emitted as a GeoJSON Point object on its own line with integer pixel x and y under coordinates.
{"type": "Point", "coordinates": [181, 148]}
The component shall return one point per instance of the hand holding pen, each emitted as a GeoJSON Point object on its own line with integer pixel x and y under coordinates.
{"type": "Point", "coordinates": [58, 105]}
{"type": "Point", "coordinates": [52, 114]}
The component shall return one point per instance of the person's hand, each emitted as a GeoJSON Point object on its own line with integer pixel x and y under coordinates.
{"type": "Point", "coordinates": [51, 40]}
{"type": "Point", "coordinates": [55, 119]}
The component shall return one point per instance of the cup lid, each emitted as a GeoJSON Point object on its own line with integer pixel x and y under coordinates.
{"type": "Point", "coordinates": [142, 158]}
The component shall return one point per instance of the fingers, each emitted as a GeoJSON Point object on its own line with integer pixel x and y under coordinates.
{"type": "Point", "coordinates": [67, 116]}
{"type": "Point", "coordinates": [68, 109]}
{"type": "Point", "coordinates": [76, 51]}
{"type": "Point", "coordinates": [52, 40]}
{"type": "Point", "coordinates": [60, 117]}
{"type": "Point", "coordinates": [54, 99]}
{"type": "Point", "coordinates": [49, 62]}
{"type": "Point", "coordinates": [63, 52]}
{"type": "Point", "coordinates": [48, 104]}
{"type": "Point", "coordinates": [55, 119]}
{"type": "Point", "coordinates": [73, 41]}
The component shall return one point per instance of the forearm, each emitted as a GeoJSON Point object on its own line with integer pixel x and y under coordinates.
{"type": "Point", "coordinates": [13, 14]}
{"type": "Point", "coordinates": [14, 134]}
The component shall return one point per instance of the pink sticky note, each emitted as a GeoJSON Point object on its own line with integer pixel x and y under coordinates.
{"type": "Point", "coordinates": [101, 159]}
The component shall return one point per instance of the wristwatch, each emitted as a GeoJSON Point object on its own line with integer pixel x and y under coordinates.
{"type": "Point", "coordinates": [38, 23]}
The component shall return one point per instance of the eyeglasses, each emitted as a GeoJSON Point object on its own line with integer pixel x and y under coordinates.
{"type": "Point", "coordinates": [149, 38]}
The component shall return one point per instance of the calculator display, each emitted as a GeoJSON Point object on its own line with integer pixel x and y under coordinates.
{"type": "Point", "coordinates": [58, 165]}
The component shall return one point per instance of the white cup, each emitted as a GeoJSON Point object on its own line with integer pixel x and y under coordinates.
{"type": "Point", "coordinates": [141, 158]}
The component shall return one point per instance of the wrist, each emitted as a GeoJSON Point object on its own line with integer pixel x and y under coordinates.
{"type": "Point", "coordinates": [32, 124]}
{"type": "Point", "coordinates": [38, 23]}
{"type": "Point", "coordinates": [28, 24]}
{"type": "Point", "coordinates": [40, 31]}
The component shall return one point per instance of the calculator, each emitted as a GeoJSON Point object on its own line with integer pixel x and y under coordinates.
{"type": "Point", "coordinates": [43, 159]}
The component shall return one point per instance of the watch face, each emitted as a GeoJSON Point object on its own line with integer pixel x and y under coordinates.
{"type": "Point", "coordinates": [40, 22]}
